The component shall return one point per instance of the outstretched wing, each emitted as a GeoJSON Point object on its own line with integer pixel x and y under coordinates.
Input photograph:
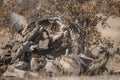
{"type": "Point", "coordinates": [44, 23]}
{"type": "Point", "coordinates": [73, 27]}
{"type": "Point", "coordinates": [49, 23]}
{"type": "Point", "coordinates": [55, 26]}
{"type": "Point", "coordinates": [31, 25]}
{"type": "Point", "coordinates": [28, 28]}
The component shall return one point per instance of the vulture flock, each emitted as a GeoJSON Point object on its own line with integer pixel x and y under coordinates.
{"type": "Point", "coordinates": [48, 48]}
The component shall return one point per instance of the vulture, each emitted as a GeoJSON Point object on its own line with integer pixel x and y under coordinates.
{"type": "Point", "coordinates": [98, 66]}
{"type": "Point", "coordinates": [5, 59]}
{"type": "Point", "coordinates": [56, 24]}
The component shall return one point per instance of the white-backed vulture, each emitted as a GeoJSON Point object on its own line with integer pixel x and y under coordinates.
{"type": "Point", "coordinates": [98, 66]}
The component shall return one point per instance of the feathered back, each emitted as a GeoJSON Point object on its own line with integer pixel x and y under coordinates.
{"type": "Point", "coordinates": [73, 27]}
{"type": "Point", "coordinates": [53, 24]}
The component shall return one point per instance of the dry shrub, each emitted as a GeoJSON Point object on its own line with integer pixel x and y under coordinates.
{"type": "Point", "coordinates": [80, 13]}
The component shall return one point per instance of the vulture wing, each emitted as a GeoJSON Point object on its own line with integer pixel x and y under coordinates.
{"type": "Point", "coordinates": [73, 27]}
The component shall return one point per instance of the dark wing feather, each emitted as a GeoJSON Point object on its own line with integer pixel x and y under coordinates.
{"type": "Point", "coordinates": [55, 26]}
{"type": "Point", "coordinates": [44, 23]}
{"type": "Point", "coordinates": [31, 25]}
{"type": "Point", "coordinates": [73, 27]}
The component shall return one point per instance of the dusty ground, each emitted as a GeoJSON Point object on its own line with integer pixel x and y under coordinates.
{"type": "Point", "coordinates": [103, 77]}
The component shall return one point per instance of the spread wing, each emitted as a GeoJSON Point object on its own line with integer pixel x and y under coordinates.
{"type": "Point", "coordinates": [44, 23]}
{"type": "Point", "coordinates": [73, 27]}
{"type": "Point", "coordinates": [55, 26]}
{"type": "Point", "coordinates": [31, 25]}
{"type": "Point", "coordinates": [49, 23]}
{"type": "Point", "coordinates": [28, 28]}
